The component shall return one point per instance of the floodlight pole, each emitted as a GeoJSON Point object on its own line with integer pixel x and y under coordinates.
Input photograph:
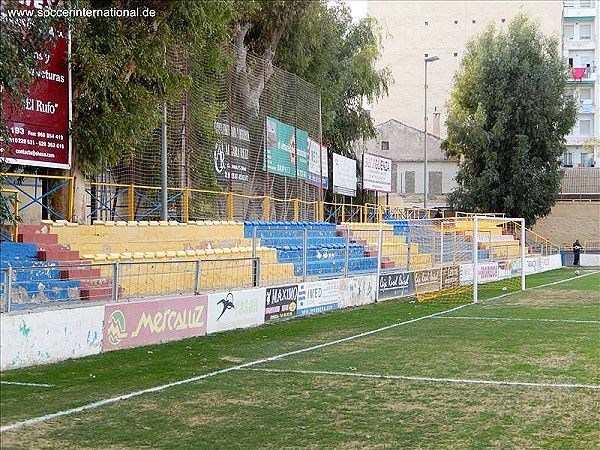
{"type": "Point", "coordinates": [425, 181]}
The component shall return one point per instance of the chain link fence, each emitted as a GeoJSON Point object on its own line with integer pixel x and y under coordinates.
{"type": "Point", "coordinates": [257, 147]}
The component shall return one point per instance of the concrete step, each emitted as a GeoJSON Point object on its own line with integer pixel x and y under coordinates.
{"type": "Point", "coordinates": [79, 273]}
{"type": "Point", "coordinates": [37, 238]}
{"type": "Point", "coordinates": [58, 255]}
{"type": "Point", "coordinates": [34, 229]}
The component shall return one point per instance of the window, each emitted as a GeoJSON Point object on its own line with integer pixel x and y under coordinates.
{"type": "Point", "coordinates": [569, 32]}
{"type": "Point", "coordinates": [585, 32]}
{"type": "Point", "coordinates": [585, 93]}
{"type": "Point", "coordinates": [587, 159]}
{"type": "Point", "coordinates": [568, 159]}
{"type": "Point", "coordinates": [426, 55]}
{"type": "Point", "coordinates": [585, 127]}
{"type": "Point", "coordinates": [474, 21]}
{"type": "Point", "coordinates": [385, 146]}
{"type": "Point", "coordinates": [455, 54]}
{"type": "Point", "coordinates": [502, 20]}
{"type": "Point", "coordinates": [409, 182]}
{"type": "Point", "coordinates": [456, 22]}
{"type": "Point", "coordinates": [426, 23]}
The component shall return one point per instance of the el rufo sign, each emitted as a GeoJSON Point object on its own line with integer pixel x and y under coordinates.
{"type": "Point", "coordinates": [39, 128]}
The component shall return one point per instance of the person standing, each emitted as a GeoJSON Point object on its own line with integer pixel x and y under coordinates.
{"type": "Point", "coordinates": [576, 252]}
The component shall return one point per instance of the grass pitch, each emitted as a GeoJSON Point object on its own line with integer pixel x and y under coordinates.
{"type": "Point", "coordinates": [521, 371]}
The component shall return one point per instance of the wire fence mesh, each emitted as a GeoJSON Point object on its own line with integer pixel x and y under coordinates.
{"type": "Point", "coordinates": [257, 147]}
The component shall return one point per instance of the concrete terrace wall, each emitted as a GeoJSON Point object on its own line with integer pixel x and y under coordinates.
{"type": "Point", "coordinates": [569, 221]}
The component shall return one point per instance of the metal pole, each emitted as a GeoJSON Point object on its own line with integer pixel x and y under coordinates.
{"type": "Point", "coordinates": [425, 148]}
{"type": "Point", "coordinates": [165, 199]}
{"type": "Point", "coordinates": [425, 180]}
{"type": "Point", "coordinates": [475, 258]}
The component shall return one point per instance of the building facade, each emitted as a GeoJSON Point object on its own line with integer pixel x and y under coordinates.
{"type": "Point", "coordinates": [415, 30]}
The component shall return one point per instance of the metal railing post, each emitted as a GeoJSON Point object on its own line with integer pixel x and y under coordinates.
{"type": "Point", "coordinates": [9, 288]}
{"type": "Point", "coordinates": [197, 276]}
{"type": "Point", "coordinates": [254, 241]}
{"type": "Point", "coordinates": [304, 253]}
{"type": "Point", "coordinates": [115, 286]}
{"type": "Point", "coordinates": [347, 252]}
{"type": "Point", "coordinates": [255, 272]}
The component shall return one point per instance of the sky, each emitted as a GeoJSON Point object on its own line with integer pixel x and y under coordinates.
{"type": "Point", "coordinates": [358, 7]}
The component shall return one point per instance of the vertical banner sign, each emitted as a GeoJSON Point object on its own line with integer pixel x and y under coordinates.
{"type": "Point", "coordinates": [318, 168]}
{"type": "Point", "coordinates": [377, 173]}
{"type": "Point", "coordinates": [280, 302]}
{"type": "Point", "coordinates": [231, 153]}
{"type": "Point", "coordinates": [39, 128]}
{"type": "Point", "coordinates": [281, 148]}
{"type": "Point", "coordinates": [301, 154]}
{"type": "Point", "coordinates": [393, 285]}
{"type": "Point", "coordinates": [344, 175]}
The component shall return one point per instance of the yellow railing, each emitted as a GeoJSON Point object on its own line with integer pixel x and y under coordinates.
{"type": "Point", "coordinates": [15, 181]}
{"type": "Point", "coordinates": [15, 225]}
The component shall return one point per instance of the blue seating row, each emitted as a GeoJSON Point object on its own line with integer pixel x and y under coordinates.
{"type": "Point", "coordinates": [336, 266]}
{"type": "Point", "coordinates": [33, 281]}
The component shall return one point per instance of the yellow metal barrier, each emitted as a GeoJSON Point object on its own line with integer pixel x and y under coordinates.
{"type": "Point", "coordinates": [14, 192]}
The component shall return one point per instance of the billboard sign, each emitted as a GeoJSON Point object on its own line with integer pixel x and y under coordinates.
{"type": "Point", "coordinates": [286, 149]}
{"type": "Point", "coordinates": [239, 309]}
{"type": "Point", "coordinates": [450, 277]}
{"type": "Point", "coordinates": [39, 129]}
{"type": "Point", "coordinates": [318, 297]}
{"type": "Point", "coordinates": [399, 284]}
{"type": "Point", "coordinates": [344, 175]}
{"type": "Point", "coordinates": [231, 154]}
{"type": "Point", "coordinates": [280, 302]}
{"type": "Point", "coordinates": [135, 324]}
{"type": "Point", "coordinates": [318, 166]}
{"type": "Point", "coordinates": [377, 173]}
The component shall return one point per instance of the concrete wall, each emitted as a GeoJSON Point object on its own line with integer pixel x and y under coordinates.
{"type": "Point", "coordinates": [569, 221]}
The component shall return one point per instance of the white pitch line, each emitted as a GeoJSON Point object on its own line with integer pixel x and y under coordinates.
{"type": "Point", "coordinates": [109, 401]}
{"type": "Point", "coordinates": [520, 319]}
{"type": "Point", "coordinates": [27, 384]}
{"type": "Point", "coordinates": [436, 380]}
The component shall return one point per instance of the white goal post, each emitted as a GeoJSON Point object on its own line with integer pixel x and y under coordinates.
{"type": "Point", "coordinates": [481, 225]}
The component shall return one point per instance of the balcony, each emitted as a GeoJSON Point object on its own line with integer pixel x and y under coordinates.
{"type": "Point", "coordinates": [578, 9]}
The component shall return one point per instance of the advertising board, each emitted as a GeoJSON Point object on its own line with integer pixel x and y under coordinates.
{"type": "Point", "coordinates": [235, 309]}
{"type": "Point", "coordinates": [318, 297]}
{"type": "Point", "coordinates": [149, 322]}
{"type": "Point", "coordinates": [377, 173]}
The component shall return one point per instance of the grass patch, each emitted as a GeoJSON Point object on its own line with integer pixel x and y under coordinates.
{"type": "Point", "coordinates": [548, 335]}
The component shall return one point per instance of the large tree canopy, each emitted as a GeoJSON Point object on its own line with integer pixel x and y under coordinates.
{"type": "Point", "coordinates": [339, 57]}
{"type": "Point", "coordinates": [508, 116]}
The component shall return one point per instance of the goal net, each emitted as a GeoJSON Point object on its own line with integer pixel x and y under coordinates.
{"type": "Point", "coordinates": [479, 257]}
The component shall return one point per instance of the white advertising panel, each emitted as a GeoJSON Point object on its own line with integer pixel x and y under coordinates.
{"type": "Point", "coordinates": [355, 291]}
{"type": "Point", "coordinates": [318, 166]}
{"type": "Point", "coordinates": [377, 173]}
{"type": "Point", "coordinates": [237, 309]}
{"type": "Point", "coordinates": [344, 175]}
{"type": "Point", "coordinates": [315, 298]}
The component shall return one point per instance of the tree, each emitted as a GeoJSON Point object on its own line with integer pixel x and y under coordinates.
{"type": "Point", "coordinates": [339, 57]}
{"type": "Point", "coordinates": [508, 116]}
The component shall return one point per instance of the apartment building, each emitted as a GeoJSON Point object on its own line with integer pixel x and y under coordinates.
{"type": "Point", "coordinates": [415, 30]}
{"type": "Point", "coordinates": [580, 30]}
